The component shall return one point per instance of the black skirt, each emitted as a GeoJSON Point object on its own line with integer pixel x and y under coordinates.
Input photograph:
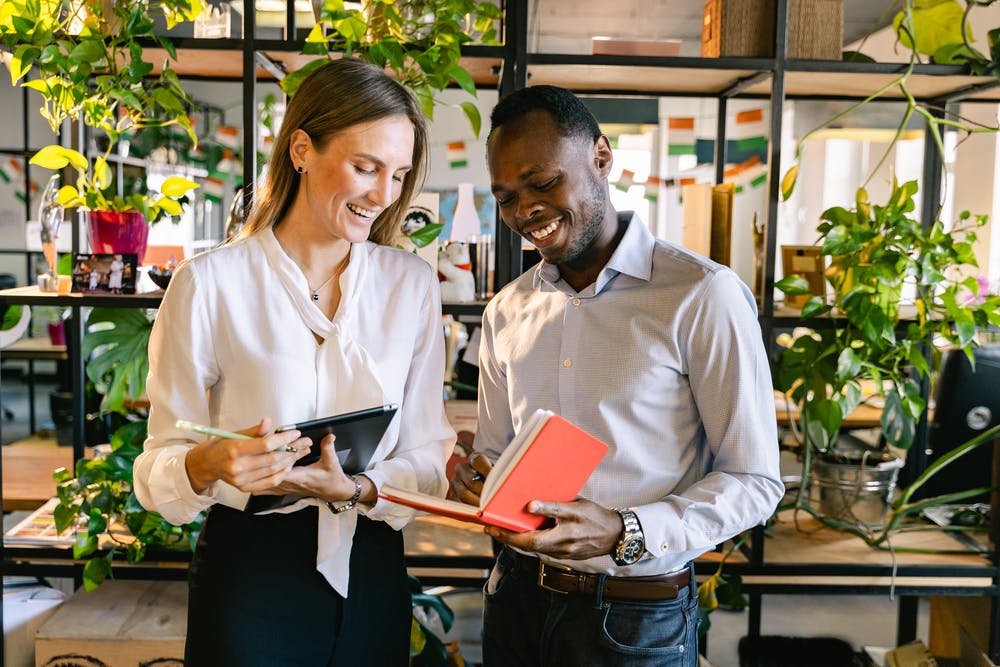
{"type": "Point", "coordinates": [256, 598]}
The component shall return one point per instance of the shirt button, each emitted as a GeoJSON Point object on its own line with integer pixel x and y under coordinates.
{"type": "Point", "coordinates": [576, 302]}
{"type": "Point", "coordinates": [567, 363]}
{"type": "Point", "coordinates": [664, 546]}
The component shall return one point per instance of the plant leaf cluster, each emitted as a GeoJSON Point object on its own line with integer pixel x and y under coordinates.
{"type": "Point", "coordinates": [876, 256]}
{"type": "Point", "coordinates": [89, 61]}
{"type": "Point", "coordinates": [115, 347]}
{"type": "Point", "coordinates": [101, 493]}
{"type": "Point", "coordinates": [418, 42]}
{"type": "Point", "coordinates": [94, 188]}
{"type": "Point", "coordinates": [941, 29]}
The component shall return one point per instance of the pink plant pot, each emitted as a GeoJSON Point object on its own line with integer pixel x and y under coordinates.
{"type": "Point", "coordinates": [124, 232]}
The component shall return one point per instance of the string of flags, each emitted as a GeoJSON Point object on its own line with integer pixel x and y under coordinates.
{"type": "Point", "coordinates": [12, 173]}
{"type": "Point", "coordinates": [457, 156]}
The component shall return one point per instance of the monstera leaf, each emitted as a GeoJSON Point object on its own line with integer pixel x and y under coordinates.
{"type": "Point", "coordinates": [115, 347]}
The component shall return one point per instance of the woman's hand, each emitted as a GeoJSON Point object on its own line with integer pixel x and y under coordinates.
{"type": "Point", "coordinates": [249, 465]}
{"type": "Point", "coordinates": [325, 479]}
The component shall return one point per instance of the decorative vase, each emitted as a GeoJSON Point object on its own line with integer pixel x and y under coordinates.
{"type": "Point", "coordinates": [122, 232]}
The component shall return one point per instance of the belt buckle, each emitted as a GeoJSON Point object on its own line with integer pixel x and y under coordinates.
{"type": "Point", "coordinates": [541, 575]}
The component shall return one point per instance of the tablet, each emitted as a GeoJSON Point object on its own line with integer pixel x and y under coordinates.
{"type": "Point", "coordinates": [358, 434]}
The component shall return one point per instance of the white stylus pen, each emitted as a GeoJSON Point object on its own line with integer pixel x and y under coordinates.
{"type": "Point", "coordinates": [209, 430]}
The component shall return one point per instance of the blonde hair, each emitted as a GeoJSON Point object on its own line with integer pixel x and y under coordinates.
{"type": "Point", "coordinates": [335, 97]}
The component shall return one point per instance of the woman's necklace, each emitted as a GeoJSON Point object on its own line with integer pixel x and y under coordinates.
{"type": "Point", "coordinates": [336, 272]}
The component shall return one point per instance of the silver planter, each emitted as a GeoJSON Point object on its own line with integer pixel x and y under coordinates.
{"type": "Point", "coordinates": [859, 491]}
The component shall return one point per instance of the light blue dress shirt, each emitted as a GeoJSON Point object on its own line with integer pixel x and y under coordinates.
{"type": "Point", "coordinates": [661, 358]}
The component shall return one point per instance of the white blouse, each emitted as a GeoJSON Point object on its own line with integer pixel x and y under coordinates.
{"type": "Point", "coordinates": [234, 342]}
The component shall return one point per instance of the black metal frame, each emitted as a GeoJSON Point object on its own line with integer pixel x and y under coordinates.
{"type": "Point", "coordinates": [514, 75]}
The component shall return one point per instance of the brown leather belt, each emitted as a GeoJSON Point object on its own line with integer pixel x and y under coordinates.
{"type": "Point", "coordinates": [561, 579]}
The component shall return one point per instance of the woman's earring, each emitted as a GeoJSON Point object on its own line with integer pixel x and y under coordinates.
{"type": "Point", "coordinates": [300, 169]}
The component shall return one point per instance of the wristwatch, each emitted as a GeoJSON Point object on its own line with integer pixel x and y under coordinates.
{"type": "Point", "coordinates": [632, 544]}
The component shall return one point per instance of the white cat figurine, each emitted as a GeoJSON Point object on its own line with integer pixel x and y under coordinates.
{"type": "Point", "coordinates": [455, 273]}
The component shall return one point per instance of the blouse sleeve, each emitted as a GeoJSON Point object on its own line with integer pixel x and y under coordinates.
{"type": "Point", "coordinates": [426, 439]}
{"type": "Point", "coordinates": [182, 368]}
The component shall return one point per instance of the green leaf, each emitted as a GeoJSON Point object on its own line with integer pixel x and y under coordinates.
{"type": "Point", "coordinates": [177, 186]}
{"type": "Point", "coordinates": [472, 113]}
{"type": "Point", "coordinates": [856, 57]}
{"type": "Point", "coordinates": [788, 182]}
{"type": "Point", "coordinates": [815, 307]}
{"type": "Point", "coordinates": [426, 234]}
{"type": "Point", "coordinates": [793, 284]}
{"type": "Point", "coordinates": [290, 84]}
{"type": "Point", "coordinates": [95, 572]}
{"type": "Point", "coordinates": [936, 23]}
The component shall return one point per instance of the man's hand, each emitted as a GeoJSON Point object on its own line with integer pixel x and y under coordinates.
{"type": "Point", "coordinates": [583, 529]}
{"type": "Point", "coordinates": [469, 477]}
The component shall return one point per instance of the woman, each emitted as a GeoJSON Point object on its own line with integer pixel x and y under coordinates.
{"type": "Point", "coordinates": [309, 313]}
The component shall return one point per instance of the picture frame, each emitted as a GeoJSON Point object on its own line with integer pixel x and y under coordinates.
{"type": "Point", "coordinates": [105, 273]}
{"type": "Point", "coordinates": [805, 261]}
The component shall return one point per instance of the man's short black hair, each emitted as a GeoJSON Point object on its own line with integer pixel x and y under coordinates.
{"type": "Point", "coordinates": [570, 114]}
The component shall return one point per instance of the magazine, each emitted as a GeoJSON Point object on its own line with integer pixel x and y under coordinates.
{"type": "Point", "coordinates": [39, 528]}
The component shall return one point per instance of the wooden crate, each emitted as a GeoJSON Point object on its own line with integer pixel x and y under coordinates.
{"type": "Point", "coordinates": [745, 28]}
{"type": "Point", "coordinates": [120, 624]}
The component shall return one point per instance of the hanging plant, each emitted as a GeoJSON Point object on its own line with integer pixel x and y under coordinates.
{"type": "Point", "coordinates": [420, 43]}
{"type": "Point", "coordinates": [88, 61]}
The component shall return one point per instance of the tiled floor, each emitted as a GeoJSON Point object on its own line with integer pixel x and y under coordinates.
{"type": "Point", "coordinates": [868, 620]}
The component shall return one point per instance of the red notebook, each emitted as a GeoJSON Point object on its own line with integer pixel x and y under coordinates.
{"type": "Point", "coordinates": [549, 459]}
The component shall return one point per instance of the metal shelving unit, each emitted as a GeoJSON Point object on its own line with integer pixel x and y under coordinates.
{"type": "Point", "coordinates": [510, 67]}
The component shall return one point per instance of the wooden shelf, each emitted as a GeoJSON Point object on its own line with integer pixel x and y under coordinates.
{"type": "Point", "coordinates": [34, 348]}
{"type": "Point", "coordinates": [32, 296]}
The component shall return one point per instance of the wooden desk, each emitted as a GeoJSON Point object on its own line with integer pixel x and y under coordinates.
{"type": "Point", "coordinates": [27, 472]}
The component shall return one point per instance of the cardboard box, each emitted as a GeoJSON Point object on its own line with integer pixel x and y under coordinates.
{"type": "Point", "coordinates": [745, 28]}
{"type": "Point", "coordinates": [612, 46]}
{"type": "Point", "coordinates": [120, 624]}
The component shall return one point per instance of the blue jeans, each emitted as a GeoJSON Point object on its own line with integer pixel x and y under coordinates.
{"type": "Point", "coordinates": [525, 625]}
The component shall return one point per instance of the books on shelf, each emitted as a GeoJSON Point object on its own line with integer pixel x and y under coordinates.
{"type": "Point", "coordinates": [550, 459]}
{"type": "Point", "coordinates": [39, 528]}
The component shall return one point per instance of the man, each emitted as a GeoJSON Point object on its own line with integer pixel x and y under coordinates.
{"type": "Point", "coordinates": [651, 348]}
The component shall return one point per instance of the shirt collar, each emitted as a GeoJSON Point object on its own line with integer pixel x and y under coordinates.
{"type": "Point", "coordinates": [633, 257]}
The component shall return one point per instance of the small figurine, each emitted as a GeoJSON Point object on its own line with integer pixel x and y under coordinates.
{"type": "Point", "coordinates": [458, 285]}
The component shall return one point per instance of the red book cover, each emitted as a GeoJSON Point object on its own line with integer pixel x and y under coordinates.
{"type": "Point", "coordinates": [550, 459]}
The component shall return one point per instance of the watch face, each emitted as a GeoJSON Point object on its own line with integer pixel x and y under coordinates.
{"type": "Point", "coordinates": [632, 550]}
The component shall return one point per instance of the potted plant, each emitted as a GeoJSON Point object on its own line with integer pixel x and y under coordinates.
{"type": "Point", "coordinates": [100, 492]}
{"type": "Point", "coordinates": [117, 223]}
{"type": "Point", "coordinates": [880, 260]}
{"type": "Point", "coordinates": [88, 59]}
{"type": "Point", "coordinates": [419, 42]}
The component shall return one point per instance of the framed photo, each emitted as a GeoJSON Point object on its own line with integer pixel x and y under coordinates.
{"type": "Point", "coordinates": [805, 261]}
{"type": "Point", "coordinates": [105, 273]}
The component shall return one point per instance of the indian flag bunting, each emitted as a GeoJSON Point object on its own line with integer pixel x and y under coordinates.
{"type": "Point", "coordinates": [626, 180]}
{"type": "Point", "coordinates": [759, 180]}
{"type": "Point", "coordinates": [680, 136]}
{"type": "Point", "coordinates": [736, 170]}
{"type": "Point", "coordinates": [213, 189]}
{"type": "Point", "coordinates": [652, 188]}
{"type": "Point", "coordinates": [227, 135]}
{"type": "Point", "coordinates": [457, 157]}
{"type": "Point", "coordinates": [4, 176]}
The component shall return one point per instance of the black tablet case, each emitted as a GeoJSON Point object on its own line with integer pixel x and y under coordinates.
{"type": "Point", "coordinates": [358, 435]}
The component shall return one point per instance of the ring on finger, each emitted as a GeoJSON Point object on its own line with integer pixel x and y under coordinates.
{"type": "Point", "coordinates": [289, 449]}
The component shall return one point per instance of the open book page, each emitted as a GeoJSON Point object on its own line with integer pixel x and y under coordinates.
{"type": "Point", "coordinates": [549, 459]}
{"type": "Point", "coordinates": [512, 454]}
